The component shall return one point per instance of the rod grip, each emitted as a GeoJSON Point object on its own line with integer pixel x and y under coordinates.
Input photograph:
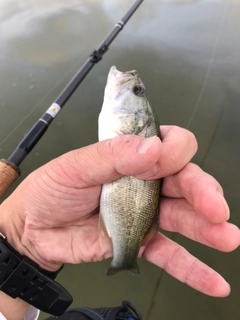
{"type": "Point", "coordinates": [8, 174]}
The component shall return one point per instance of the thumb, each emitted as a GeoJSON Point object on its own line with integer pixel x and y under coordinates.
{"type": "Point", "coordinates": [106, 160]}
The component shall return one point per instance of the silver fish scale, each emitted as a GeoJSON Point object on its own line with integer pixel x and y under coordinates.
{"type": "Point", "coordinates": [129, 210]}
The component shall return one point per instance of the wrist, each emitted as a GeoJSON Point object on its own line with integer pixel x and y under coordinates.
{"type": "Point", "coordinates": [13, 227]}
{"type": "Point", "coordinates": [21, 278]}
{"type": "Point", "coordinates": [12, 309]}
{"type": "Point", "coordinates": [22, 275]}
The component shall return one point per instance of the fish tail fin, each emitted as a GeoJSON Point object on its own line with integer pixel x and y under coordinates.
{"type": "Point", "coordinates": [114, 269]}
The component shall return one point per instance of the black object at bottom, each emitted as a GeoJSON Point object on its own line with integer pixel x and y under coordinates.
{"type": "Point", "coordinates": [125, 312]}
{"type": "Point", "coordinates": [21, 277]}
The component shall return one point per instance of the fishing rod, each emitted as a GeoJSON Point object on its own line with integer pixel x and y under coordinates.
{"type": "Point", "coordinates": [9, 169]}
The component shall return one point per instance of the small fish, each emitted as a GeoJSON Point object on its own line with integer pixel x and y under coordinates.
{"type": "Point", "coordinates": [129, 207]}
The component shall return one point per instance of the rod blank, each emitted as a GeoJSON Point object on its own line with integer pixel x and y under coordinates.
{"type": "Point", "coordinates": [9, 169]}
{"type": "Point", "coordinates": [41, 126]}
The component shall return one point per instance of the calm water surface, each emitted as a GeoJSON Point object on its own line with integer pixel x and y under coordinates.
{"type": "Point", "coordinates": [188, 55]}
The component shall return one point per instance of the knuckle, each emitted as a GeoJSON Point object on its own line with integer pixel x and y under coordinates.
{"type": "Point", "coordinates": [120, 151]}
{"type": "Point", "coordinates": [187, 278]}
{"type": "Point", "coordinates": [192, 141]}
{"type": "Point", "coordinates": [172, 258]}
{"type": "Point", "coordinates": [188, 137]}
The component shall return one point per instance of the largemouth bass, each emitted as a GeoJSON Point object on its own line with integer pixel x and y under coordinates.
{"type": "Point", "coordinates": [129, 207]}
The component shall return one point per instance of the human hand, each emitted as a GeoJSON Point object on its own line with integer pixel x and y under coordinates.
{"type": "Point", "coordinates": [53, 214]}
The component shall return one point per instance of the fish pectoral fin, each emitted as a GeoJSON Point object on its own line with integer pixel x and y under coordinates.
{"type": "Point", "coordinates": [151, 234]}
{"type": "Point", "coordinates": [104, 238]}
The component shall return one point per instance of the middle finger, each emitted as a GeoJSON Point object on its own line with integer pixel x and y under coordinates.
{"type": "Point", "coordinates": [201, 190]}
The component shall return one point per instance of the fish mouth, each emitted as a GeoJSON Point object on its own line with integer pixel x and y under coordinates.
{"type": "Point", "coordinates": [116, 72]}
{"type": "Point", "coordinates": [117, 77]}
{"type": "Point", "coordinates": [118, 80]}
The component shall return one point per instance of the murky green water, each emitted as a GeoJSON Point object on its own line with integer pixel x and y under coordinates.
{"type": "Point", "coordinates": [188, 55]}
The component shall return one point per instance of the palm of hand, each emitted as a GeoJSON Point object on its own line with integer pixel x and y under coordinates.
{"type": "Point", "coordinates": [65, 227]}
{"type": "Point", "coordinates": [60, 221]}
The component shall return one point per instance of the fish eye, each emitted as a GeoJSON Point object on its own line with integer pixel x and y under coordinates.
{"type": "Point", "coordinates": [138, 90]}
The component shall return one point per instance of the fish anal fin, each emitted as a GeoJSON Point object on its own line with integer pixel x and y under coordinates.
{"type": "Point", "coordinates": [104, 237]}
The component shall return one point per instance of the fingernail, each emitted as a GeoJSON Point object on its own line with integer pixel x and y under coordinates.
{"type": "Point", "coordinates": [145, 144]}
{"type": "Point", "coordinates": [224, 202]}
